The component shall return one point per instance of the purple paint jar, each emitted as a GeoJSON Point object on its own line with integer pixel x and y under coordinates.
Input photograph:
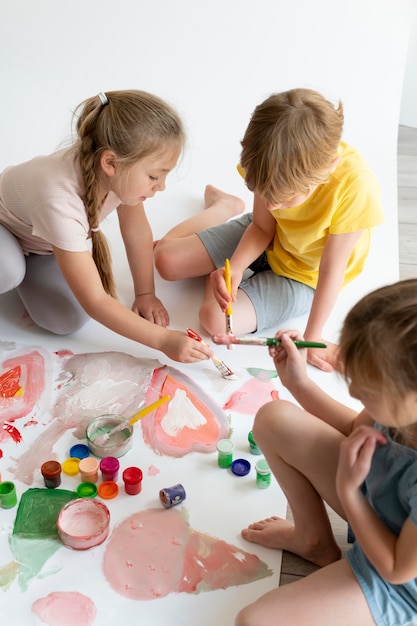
{"type": "Point", "coordinates": [109, 467]}
{"type": "Point", "coordinates": [51, 472]}
{"type": "Point", "coordinates": [171, 496]}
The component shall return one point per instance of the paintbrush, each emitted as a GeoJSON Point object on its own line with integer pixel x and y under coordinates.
{"type": "Point", "coordinates": [229, 309]}
{"type": "Point", "coordinates": [101, 440]}
{"type": "Point", "coordinates": [224, 370]}
{"type": "Point", "coordinates": [270, 341]}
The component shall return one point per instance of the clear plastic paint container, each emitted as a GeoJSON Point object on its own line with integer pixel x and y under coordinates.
{"type": "Point", "coordinates": [109, 467]}
{"type": "Point", "coordinates": [88, 469]}
{"type": "Point", "coordinates": [100, 440]}
{"type": "Point", "coordinates": [263, 474]}
{"type": "Point", "coordinates": [253, 448]}
{"type": "Point", "coordinates": [83, 523]}
{"type": "Point", "coordinates": [171, 496]}
{"type": "Point", "coordinates": [224, 452]}
{"type": "Point", "coordinates": [132, 478]}
{"type": "Point", "coordinates": [51, 472]}
{"type": "Point", "coordinates": [8, 497]}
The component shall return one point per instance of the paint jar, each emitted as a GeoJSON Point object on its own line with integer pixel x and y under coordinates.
{"type": "Point", "coordinates": [51, 472]}
{"type": "Point", "coordinates": [83, 523]}
{"type": "Point", "coordinates": [108, 490]}
{"type": "Point", "coordinates": [240, 467]}
{"type": "Point", "coordinates": [103, 440]}
{"type": "Point", "coordinates": [253, 448]}
{"type": "Point", "coordinates": [109, 468]}
{"type": "Point", "coordinates": [132, 478]}
{"type": "Point", "coordinates": [263, 474]}
{"type": "Point", "coordinates": [88, 469]}
{"type": "Point", "coordinates": [79, 451]}
{"type": "Point", "coordinates": [171, 496]}
{"type": "Point", "coordinates": [225, 452]}
{"type": "Point", "coordinates": [8, 497]}
{"type": "Point", "coordinates": [86, 490]}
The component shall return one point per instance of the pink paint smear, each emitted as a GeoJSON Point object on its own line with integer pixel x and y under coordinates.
{"type": "Point", "coordinates": [251, 396]}
{"type": "Point", "coordinates": [65, 608]}
{"type": "Point", "coordinates": [155, 552]}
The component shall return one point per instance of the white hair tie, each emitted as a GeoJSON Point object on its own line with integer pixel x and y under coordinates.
{"type": "Point", "coordinates": [95, 230]}
{"type": "Point", "coordinates": [103, 98]}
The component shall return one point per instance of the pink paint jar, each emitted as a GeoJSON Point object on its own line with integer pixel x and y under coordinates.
{"type": "Point", "coordinates": [88, 469]}
{"type": "Point", "coordinates": [109, 467]}
{"type": "Point", "coordinates": [83, 523]}
{"type": "Point", "coordinates": [132, 478]}
{"type": "Point", "coordinates": [51, 472]}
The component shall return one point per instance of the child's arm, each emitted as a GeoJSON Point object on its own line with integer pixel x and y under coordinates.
{"type": "Point", "coordinates": [138, 241]}
{"type": "Point", "coordinates": [254, 241]}
{"type": "Point", "coordinates": [394, 558]}
{"type": "Point", "coordinates": [334, 259]}
{"type": "Point", "coordinates": [81, 274]}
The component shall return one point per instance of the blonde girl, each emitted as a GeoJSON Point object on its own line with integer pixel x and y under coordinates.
{"type": "Point", "coordinates": [54, 252]}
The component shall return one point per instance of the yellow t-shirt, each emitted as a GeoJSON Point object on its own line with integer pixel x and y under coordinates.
{"type": "Point", "coordinates": [349, 201]}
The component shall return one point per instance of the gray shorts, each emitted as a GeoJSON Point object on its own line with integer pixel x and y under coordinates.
{"type": "Point", "coordinates": [274, 298]}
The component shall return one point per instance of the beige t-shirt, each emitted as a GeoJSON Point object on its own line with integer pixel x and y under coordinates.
{"type": "Point", "coordinates": [41, 203]}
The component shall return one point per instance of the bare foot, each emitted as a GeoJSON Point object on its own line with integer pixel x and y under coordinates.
{"type": "Point", "coordinates": [232, 205]}
{"type": "Point", "coordinates": [275, 532]}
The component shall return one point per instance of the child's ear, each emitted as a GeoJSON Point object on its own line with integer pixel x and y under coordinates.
{"type": "Point", "coordinates": [108, 162]}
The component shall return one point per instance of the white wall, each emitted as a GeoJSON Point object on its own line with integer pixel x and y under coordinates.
{"type": "Point", "coordinates": [408, 113]}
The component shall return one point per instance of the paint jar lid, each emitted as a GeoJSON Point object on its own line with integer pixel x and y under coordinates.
{"type": "Point", "coordinates": [51, 469]}
{"type": "Point", "coordinates": [70, 466]}
{"type": "Point", "coordinates": [87, 490]}
{"type": "Point", "coordinates": [109, 464]}
{"type": "Point", "coordinates": [240, 467]}
{"type": "Point", "coordinates": [132, 475]}
{"type": "Point", "coordinates": [108, 490]}
{"type": "Point", "coordinates": [225, 446]}
{"type": "Point", "coordinates": [262, 467]}
{"type": "Point", "coordinates": [79, 451]}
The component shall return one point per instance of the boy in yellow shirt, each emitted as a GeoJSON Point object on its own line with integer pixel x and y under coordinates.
{"type": "Point", "coordinates": [315, 204]}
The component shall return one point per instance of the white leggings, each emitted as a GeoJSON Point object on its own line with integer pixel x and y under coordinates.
{"type": "Point", "coordinates": [41, 286]}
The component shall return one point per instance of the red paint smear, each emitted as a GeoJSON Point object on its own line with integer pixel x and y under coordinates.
{"type": "Point", "coordinates": [166, 381]}
{"type": "Point", "coordinates": [31, 369]}
{"type": "Point", "coordinates": [1, 454]}
{"type": "Point", "coordinates": [9, 382]}
{"type": "Point", "coordinates": [65, 608]}
{"type": "Point", "coordinates": [13, 432]}
{"type": "Point", "coordinates": [251, 396]}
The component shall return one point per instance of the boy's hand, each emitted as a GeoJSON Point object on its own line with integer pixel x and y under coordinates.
{"type": "Point", "coordinates": [326, 359]}
{"type": "Point", "coordinates": [151, 308]}
{"type": "Point", "coordinates": [218, 284]}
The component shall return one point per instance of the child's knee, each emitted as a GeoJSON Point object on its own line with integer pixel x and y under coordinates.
{"type": "Point", "coordinates": [165, 262]}
{"type": "Point", "coordinates": [212, 319]}
{"type": "Point", "coordinates": [66, 324]}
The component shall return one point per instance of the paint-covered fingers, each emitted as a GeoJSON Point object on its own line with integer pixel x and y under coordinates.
{"type": "Point", "coordinates": [182, 348]}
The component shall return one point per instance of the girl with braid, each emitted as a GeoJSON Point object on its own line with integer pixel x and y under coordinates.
{"type": "Point", "coordinates": [51, 207]}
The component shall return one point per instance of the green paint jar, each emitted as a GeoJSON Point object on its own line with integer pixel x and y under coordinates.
{"type": "Point", "coordinates": [225, 453]}
{"type": "Point", "coordinates": [263, 474]}
{"type": "Point", "coordinates": [8, 497]}
{"type": "Point", "coordinates": [252, 445]}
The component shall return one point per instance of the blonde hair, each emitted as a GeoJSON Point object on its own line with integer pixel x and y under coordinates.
{"type": "Point", "coordinates": [132, 124]}
{"type": "Point", "coordinates": [290, 143]}
{"type": "Point", "coordinates": [378, 343]}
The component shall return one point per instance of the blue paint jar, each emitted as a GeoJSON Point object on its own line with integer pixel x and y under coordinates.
{"type": "Point", "coordinates": [171, 496]}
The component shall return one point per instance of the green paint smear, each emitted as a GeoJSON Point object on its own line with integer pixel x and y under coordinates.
{"type": "Point", "coordinates": [262, 374]}
{"type": "Point", "coordinates": [38, 511]}
{"type": "Point", "coordinates": [32, 554]}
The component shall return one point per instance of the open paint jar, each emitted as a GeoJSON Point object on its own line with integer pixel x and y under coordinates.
{"type": "Point", "coordinates": [83, 523]}
{"type": "Point", "coordinates": [109, 435]}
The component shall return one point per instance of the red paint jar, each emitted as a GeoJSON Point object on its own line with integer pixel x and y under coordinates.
{"type": "Point", "coordinates": [51, 472]}
{"type": "Point", "coordinates": [132, 478]}
{"type": "Point", "coordinates": [109, 467]}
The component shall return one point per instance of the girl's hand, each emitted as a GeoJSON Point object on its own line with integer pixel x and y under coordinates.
{"type": "Point", "coordinates": [290, 361]}
{"type": "Point", "coordinates": [218, 284]}
{"type": "Point", "coordinates": [326, 359]}
{"type": "Point", "coordinates": [151, 308]}
{"type": "Point", "coordinates": [356, 452]}
{"type": "Point", "coordinates": [178, 346]}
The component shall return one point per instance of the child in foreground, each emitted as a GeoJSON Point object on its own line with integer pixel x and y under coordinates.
{"type": "Point", "coordinates": [315, 204]}
{"type": "Point", "coordinates": [363, 465]}
{"type": "Point", "coordinates": [51, 208]}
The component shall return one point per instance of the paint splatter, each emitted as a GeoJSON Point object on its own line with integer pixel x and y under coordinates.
{"type": "Point", "coordinates": [261, 373]}
{"type": "Point", "coordinates": [191, 422]}
{"type": "Point", "coordinates": [65, 608]}
{"type": "Point", "coordinates": [153, 471]}
{"type": "Point", "coordinates": [155, 552]}
{"type": "Point", "coordinates": [251, 396]}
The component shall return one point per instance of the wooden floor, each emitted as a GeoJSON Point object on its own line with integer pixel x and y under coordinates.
{"type": "Point", "coordinates": [294, 567]}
